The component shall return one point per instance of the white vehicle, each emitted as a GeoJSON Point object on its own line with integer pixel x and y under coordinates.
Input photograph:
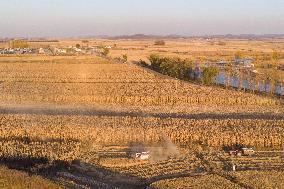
{"type": "Point", "coordinates": [142, 156]}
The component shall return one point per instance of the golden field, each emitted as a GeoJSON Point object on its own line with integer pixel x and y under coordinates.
{"type": "Point", "coordinates": [89, 113]}
{"type": "Point", "coordinates": [102, 83]}
{"type": "Point", "coordinates": [197, 49]}
{"type": "Point", "coordinates": [12, 179]}
{"type": "Point", "coordinates": [186, 48]}
{"type": "Point", "coordinates": [193, 48]}
{"type": "Point", "coordinates": [248, 179]}
{"type": "Point", "coordinates": [207, 181]}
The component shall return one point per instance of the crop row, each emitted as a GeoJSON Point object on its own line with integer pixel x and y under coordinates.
{"type": "Point", "coordinates": [52, 150]}
{"type": "Point", "coordinates": [260, 179]}
{"type": "Point", "coordinates": [206, 181]}
{"type": "Point", "coordinates": [89, 84]}
{"type": "Point", "coordinates": [132, 100]}
{"type": "Point", "coordinates": [158, 169]}
{"type": "Point", "coordinates": [49, 72]}
{"type": "Point", "coordinates": [124, 130]}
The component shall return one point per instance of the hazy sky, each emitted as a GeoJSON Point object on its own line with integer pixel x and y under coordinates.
{"type": "Point", "coordinates": [58, 18]}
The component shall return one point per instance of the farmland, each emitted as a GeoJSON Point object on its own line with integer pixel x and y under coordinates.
{"type": "Point", "coordinates": [16, 179]}
{"type": "Point", "coordinates": [252, 179]}
{"type": "Point", "coordinates": [77, 120]}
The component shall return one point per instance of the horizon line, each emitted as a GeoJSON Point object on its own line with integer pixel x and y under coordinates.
{"type": "Point", "coordinates": [102, 36]}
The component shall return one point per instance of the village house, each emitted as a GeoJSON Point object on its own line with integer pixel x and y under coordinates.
{"type": "Point", "coordinates": [16, 51]}
{"type": "Point", "coordinates": [44, 51]}
{"type": "Point", "coordinates": [245, 62]}
{"type": "Point", "coordinates": [93, 50]}
{"type": "Point", "coordinates": [8, 51]}
{"type": "Point", "coordinates": [23, 51]}
{"type": "Point", "coordinates": [41, 51]}
{"type": "Point", "coordinates": [59, 51]}
{"type": "Point", "coordinates": [221, 63]}
{"type": "Point", "coordinates": [77, 49]}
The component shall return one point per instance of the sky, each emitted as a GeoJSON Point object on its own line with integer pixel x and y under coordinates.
{"type": "Point", "coordinates": [78, 18]}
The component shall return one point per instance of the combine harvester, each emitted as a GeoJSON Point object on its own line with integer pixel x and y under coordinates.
{"type": "Point", "coordinates": [143, 156]}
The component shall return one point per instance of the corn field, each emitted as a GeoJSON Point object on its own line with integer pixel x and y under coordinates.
{"type": "Point", "coordinates": [206, 181]}
{"type": "Point", "coordinates": [93, 84]}
{"type": "Point", "coordinates": [110, 130]}
{"type": "Point", "coordinates": [67, 112]}
{"type": "Point", "coordinates": [52, 150]}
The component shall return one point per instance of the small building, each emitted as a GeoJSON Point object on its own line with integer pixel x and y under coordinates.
{"type": "Point", "coordinates": [59, 51]}
{"type": "Point", "coordinates": [8, 51]}
{"type": "Point", "coordinates": [24, 51]}
{"type": "Point", "coordinates": [77, 49]}
{"type": "Point", "coordinates": [45, 51]}
{"type": "Point", "coordinates": [41, 51]}
{"type": "Point", "coordinates": [245, 62]}
{"type": "Point", "coordinates": [221, 63]}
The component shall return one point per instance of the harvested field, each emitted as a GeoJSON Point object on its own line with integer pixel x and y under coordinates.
{"type": "Point", "coordinates": [207, 181]}
{"type": "Point", "coordinates": [84, 120]}
{"type": "Point", "coordinates": [141, 94]}
{"type": "Point", "coordinates": [193, 48]}
{"type": "Point", "coordinates": [116, 84]}
{"type": "Point", "coordinates": [261, 179]}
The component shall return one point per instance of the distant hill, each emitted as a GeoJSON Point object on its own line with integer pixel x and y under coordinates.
{"type": "Point", "coordinates": [227, 36]}
{"type": "Point", "coordinates": [249, 36]}
{"type": "Point", "coordinates": [143, 36]}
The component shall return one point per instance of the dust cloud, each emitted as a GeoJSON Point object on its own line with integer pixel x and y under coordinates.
{"type": "Point", "coordinates": [164, 151]}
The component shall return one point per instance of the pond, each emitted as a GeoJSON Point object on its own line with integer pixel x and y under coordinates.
{"type": "Point", "coordinates": [248, 83]}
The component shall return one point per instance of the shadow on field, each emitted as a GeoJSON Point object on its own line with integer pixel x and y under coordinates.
{"type": "Point", "coordinates": [75, 174]}
{"type": "Point", "coordinates": [86, 111]}
{"type": "Point", "coordinates": [79, 175]}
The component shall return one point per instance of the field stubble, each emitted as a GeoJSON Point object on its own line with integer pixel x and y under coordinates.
{"type": "Point", "coordinates": [125, 105]}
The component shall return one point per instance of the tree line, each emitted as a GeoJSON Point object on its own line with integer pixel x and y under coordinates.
{"type": "Point", "coordinates": [182, 69]}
